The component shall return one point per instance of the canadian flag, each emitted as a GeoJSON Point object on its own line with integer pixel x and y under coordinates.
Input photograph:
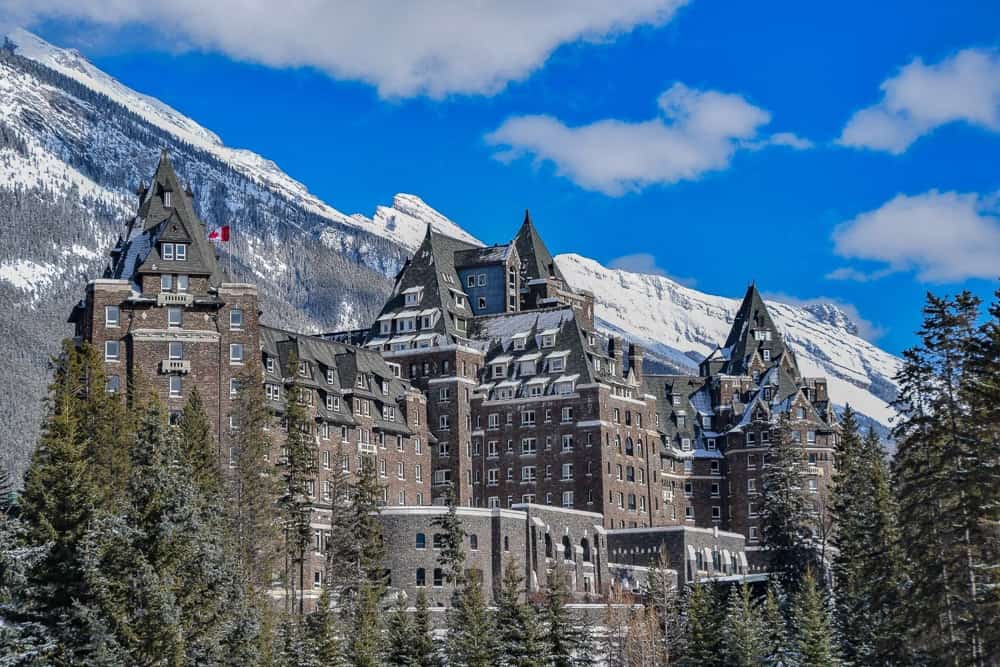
{"type": "Point", "coordinates": [220, 235]}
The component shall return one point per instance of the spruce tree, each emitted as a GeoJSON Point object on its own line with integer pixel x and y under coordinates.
{"type": "Point", "coordinates": [324, 629]}
{"type": "Point", "coordinates": [451, 555]}
{"type": "Point", "coordinates": [562, 630]}
{"type": "Point", "coordinates": [199, 447]}
{"type": "Point", "coordinates": [6, 491]}
{"type": "Point", "coordinates": [251, 489]}
{"type": "Point", "coordinates": [517, 626]}
{"type": "Point", "coordinates": [813, 639]}
{"type": "Point", "coordinates": [776, 641]}
{"type": "Point", "coordinates": [472, 637]}
{"type": "Point", "coordinates": [744, 641]}
{"type": "Point", "coordinates": [664, 597]}
{"type": "Point", "coordinates": [400, 635]}
{"type": "Point", "coordinates": [424, 651]}
{"type": "Point", "coordinates": [945, 468]}
{"type": "Point", "coordinates": [787, 524]}
{"type": "Point", "coordinates": [300, 471]}
{"type": "Point", "coordinates": [704, 627]}
{"type": "Point", "coordinates": [366, 643]}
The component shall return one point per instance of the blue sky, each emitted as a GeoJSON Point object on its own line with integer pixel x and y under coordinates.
{"type": "Point", "coordinates": [708, 139]}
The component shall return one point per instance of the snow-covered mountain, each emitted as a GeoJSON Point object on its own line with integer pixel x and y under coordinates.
{"type": "Point", "coordinates": [75, 143]}
{"type": "Point", "coordinates": [680, 325]}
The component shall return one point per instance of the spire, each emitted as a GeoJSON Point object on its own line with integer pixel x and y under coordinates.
{"type": "Point", "coordinates": [535, 257]}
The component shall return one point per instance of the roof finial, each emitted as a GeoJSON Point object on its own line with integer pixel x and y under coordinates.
{"type": "Point", "coordinates": [527, 217]}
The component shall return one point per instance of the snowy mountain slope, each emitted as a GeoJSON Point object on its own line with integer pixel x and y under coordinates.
{"type": "Point", "coordinates": [404, 223]}
{"type": "Point", "coordinates": [680, 325]}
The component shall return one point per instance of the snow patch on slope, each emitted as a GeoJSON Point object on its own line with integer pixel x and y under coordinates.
{"type": "Point", "coordinates": [683, 325]}
{"type": "Point", "coordinates": [404, 222]}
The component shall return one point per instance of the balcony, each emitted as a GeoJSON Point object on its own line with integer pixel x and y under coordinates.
{"type": "Point", "coordinates": [174, 299]}
{"type": "Point", "coordinates": [175, 366]}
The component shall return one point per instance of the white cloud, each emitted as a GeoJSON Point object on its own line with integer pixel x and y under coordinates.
{"type": "Point", "coordinates": [962, 88]}
{"type": "Point", "coordinates": [697, 131]}
{"type": "Point", "coordinates": [644, 262]}
{"type": "Point", "coordinates": [434, 48]}
{"type": "Point", "coordinates": [830, 309]}
{"type": "Point", "coordinates": [943, 236]}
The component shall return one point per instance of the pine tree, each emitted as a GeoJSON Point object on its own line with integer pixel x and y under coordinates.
{"type": "Point", "coordinates": [775, 629]}
{"type": "Point", "coordinates": [6, 491]}
{"type": "Point", "coordinates": [704, 627]}
{"type": "Point", "coordinates": [743, 635]}
{"type": "Point", "coordinates": [366, 645]}
{"type": "Point", "coordinates": [401, 636]}
{"type": "Point", "coordinates": [946, 468]}
{"type": "Point", "coordinates": [813, 640]}
{"type": "Point", "coordinates": [520, 643]}
{"type": "Point", "coordinates": [424, 651]}
{"type": "Point", "coordinates": [471, 630]}
{"type": "Point", "coordinates": [300, 471]}
{"type": "Point", "coordinates": [199, 447]}
{"type": "Point", "coordinates": [251, 488]}
{"type": "Point", "coordinates": [563, 635]}
{"type": "Point", "coordinates": [451, 555]}
{"type": "Point", "coordinates": [787, 526]}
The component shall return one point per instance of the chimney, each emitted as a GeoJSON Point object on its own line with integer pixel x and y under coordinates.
{"type": "Point", "coordinates": [635, 355]}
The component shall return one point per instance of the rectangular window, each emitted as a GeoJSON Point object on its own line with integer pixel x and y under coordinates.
{"type": "Point", "coordinates": [567, 498]}
{"type": "Point", "coordinates": [111, 316]}
{"type": "Point", "coordinates": [175, 386]}
{"type": "Point", "coordinates": [182, 283]}
{"type": "Point", "coordinates": [113, 384]}
{"type": "Point", "coordinates": [528, 474]}
{"type": "Point", "coordinates": [567, 415]}
{"type": "Point", "coordinates": [180, 251]}
{"type": "Point", "coordinates": [174, 316]}
{"type": "Point", "coordinates": [529, 446]}
{"type": "Point", "coordinates": [236, 318]}
{"type": "Point", "coordinates": [234, 387]}
{"type": "Point", "coordinates": [167, 251]}
{"type": "Point", "coordinates": [236, 353]}
{"type": "Point", "coordinates": [567, 471]}
{"type": "Point", "coordinates": [175, 349]}
{"type": "Point", "coordinates": [112, 350]}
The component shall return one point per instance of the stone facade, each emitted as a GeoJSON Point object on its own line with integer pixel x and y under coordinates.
{"type": "Point", "coordinates": [695, 554]}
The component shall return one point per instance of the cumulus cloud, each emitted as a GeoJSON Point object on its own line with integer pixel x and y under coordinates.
{"type": "Point", "coordinates": [943, 236]}
{"type": "Point", "coordinates": [696, 132]}
{"type": "Point", "coordinates": [433, 48]}
{"type": "Point", "coordinates": [644, 262]}
{"type": "Point", "coordinates": [962, 88]}
{"type": "Point", "coordinates": [831, 308]}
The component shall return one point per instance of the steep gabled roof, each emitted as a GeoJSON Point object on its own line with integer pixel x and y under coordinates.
{"type": "Point", "coordinates": [432, 269]}
{"type": "Point", "coordinates": [535, 257]}
{"type": "Point", "coordinates": [751, 317]}
{"type": "Point", "coordinates": [138, 250]}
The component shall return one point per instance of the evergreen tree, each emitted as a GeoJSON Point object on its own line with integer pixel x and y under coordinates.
{"type": "Point", "coordinates": [323, 628]}
{"type": "Point", "coordinates": [366, 643]}
{"type": "Point", "coordinates": [199, 447]}
{"type": "Point", "coordinates": [424, 651]}
{"type": "Point", "coordinates": [472, 638]}
{"type": "Point", "coordinates": [945, 467]}
{"type": "Point", "coordinates": [451, 555]}
{"type": "Point", "coordinates": [401, 635]}
{"type": "Point", "coordinates": [775, 628]}
{"type": "Point", "coordinates": [251, 489]}
{"type": "Point", "coordinates": [300, 471]}
{"type": "Point", "coordinates": [787, 527]}
{"type": "Point", "coordinates": [563, 635]}
{"type": "Point", "coordinates": [813, 641]}
{"type": "Point", "coordinates": [6, 491]}
{"type": "Point", "coordinates": [704, 628]}
{"type": "Point", "coordinates": [517, 626]}
{"type": "Point", "coordinates": [744, 641]}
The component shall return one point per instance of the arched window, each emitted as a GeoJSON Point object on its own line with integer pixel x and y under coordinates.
{"type": "Point", "coordinates": [506, 543]}
{"type": "Point", "coordinates": [438, 577]}
{"type": "Point", "coordinates": [629, 451]}
{"type": "Point", "coordinates": [585, 545]}
{"type": "Point", "coordinates": [548, 545]}
{"type": "Point", "coordinates": [421, 541]}
{"type": "Point", "coordinates": [638, 447]}
{"type": "Point", "coordinates": [567, 548]}
{"type": "Point", "coordinates": [438, 541]}
{"type": "Point", "coordinates": [421, 577]}
{"type": "Point", "coordinates": [473, 542]}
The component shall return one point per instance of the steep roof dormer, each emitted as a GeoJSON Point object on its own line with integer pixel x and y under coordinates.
{"type": "Point", "coordinates": [536, 259]}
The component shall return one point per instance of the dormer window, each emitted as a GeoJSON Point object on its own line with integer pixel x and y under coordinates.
{"type": "Point", "coordinates": [471, 280]}
{"type": "Point", "coordinates": [499, 370]}
{"type": "Point", "coordinates": [329, 376]}
{"type": "Point", "coordinates": [459, 301]}
{"type": "Point", "coordinates": [361, 381]}
{"type": "Point", "coordinates": [412, 298]}
{"type": "Point", "coordinates": [386, 327]}
{"type": "Point", "coordinates": [180, 252]}
{"type": "Point", "coordinates": [548, 340]}
{"type": "Point", "coordinates": [166, 198]}
{"type": "Point", "coordinates": [167, 251]}
{"type": "Point", "coordinates": [519, 341]}
{"type": "Point", "coordinates": [304, 369]}
{"type": "Point", "coordinates": [557, 364]}
{"type": "Point", "coordinates": [767, 355]}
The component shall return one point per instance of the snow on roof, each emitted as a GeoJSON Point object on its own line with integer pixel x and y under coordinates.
{"type": "Point", "coordinates": [557, 353]}
{"type": "Point", "coordinates": [502, 359]}
{"type": "Point", "coordinates": [531, 356]}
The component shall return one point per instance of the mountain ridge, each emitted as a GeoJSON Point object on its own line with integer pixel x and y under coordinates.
{"type": "Point", "coordinates": [75, 144]}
